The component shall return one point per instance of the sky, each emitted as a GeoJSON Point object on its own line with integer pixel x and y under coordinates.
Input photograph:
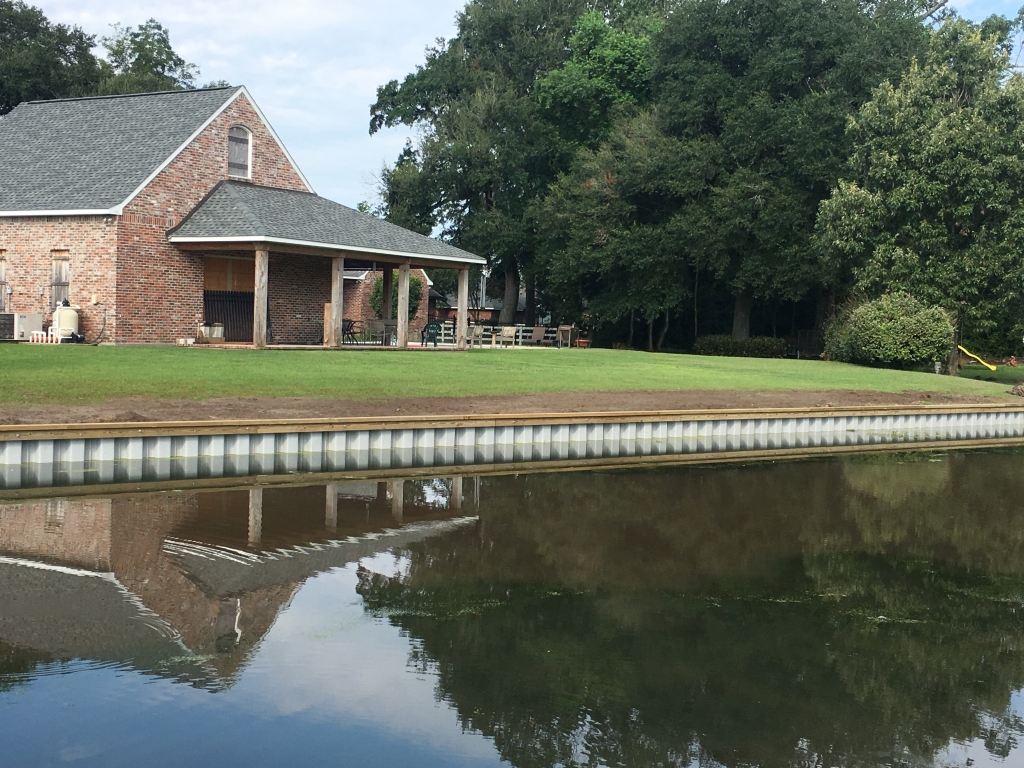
{"type": "Point", "coordinates": [314, 66]}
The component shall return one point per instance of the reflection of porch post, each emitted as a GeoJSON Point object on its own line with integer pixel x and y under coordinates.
{"type": "Point", "coordinates": [455, 501]}
{"type": "Point", "coordinates": [403, 306]}
{"type": "Point", "coordinates": [255, 515]}
{"type": "Point", "coordinates": [337, 299]}
{"type": "Point", "coordinates": [397, 488]}
{"type": "Point", "coordinates": [462, 316]}
{"type": "Point", "coordinates": [259, 305]}
{"type": "Point", "coordinates": [332, 507]}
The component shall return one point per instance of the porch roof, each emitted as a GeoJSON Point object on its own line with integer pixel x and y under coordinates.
{"type": "Point", "coordinates": [240, 212]}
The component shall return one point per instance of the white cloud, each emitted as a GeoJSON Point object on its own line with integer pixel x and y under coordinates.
{"type": "Point", "coordinates": [313, 66]}
{"type": "Point", "coordinates": [326, 659]}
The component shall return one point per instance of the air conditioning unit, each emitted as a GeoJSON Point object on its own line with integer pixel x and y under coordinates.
{"type": "Point", "coordinates": [15, 326]}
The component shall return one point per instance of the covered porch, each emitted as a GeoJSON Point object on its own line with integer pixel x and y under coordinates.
{"type": "Point", "coordinates": [310, 237]}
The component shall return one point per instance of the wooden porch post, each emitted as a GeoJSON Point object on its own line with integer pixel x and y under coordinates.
{"type": "Point", "coordinates": [259, 307]}
{"type": "Point", "coordinates": [337, 300]}
{"type": "Point", "coordinates": [403, 306]}
{"type": "Point", "coordinates": [462, 316]}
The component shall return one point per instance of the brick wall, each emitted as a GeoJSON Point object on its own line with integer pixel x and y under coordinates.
{"type": "Point", "coordinates": [74, 532]}
{"type": "Point", "coordinates": [28, 243]}
{"type": "Point", "coordinates": [159, 288]}
{"type": "Point", "coordinates": [297, 289]}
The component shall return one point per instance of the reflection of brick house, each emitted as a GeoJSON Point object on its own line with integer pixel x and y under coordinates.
{"type": "Point", "coordinates": [164, 206]}
{"type": "Point", "coordinates": [114, 579]}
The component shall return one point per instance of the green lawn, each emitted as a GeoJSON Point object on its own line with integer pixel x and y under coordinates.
{"type": "Point", "coordinates": [72, 374]}
{"type": "Point", "coordinates": [1003, 374]}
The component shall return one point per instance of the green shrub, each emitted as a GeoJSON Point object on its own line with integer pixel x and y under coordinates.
{"type": "Point", "coordinates": [893, 331]}
{"type": "Point", "coordinates": [724, 346]}
{"type": "Point", "coordinates": [377, 295]}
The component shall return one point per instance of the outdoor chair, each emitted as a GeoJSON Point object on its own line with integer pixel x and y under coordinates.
{"type": "Point", "coordinates": [430, 333]}
{"type": "Point", "coordinates": [537, 336]}
{"type": "Point", "coordinates": [390, 332]}
{"type": "Point", "coordinates": [563, 336]}
{"type": "Point", "coordinates": [476, 336]}
{"type": "Point", "coordinates": [349, 329]}
{"type": "Point", "coordinates": [374, 331]}
{"type": "Point", "coordinates": [508, 335]}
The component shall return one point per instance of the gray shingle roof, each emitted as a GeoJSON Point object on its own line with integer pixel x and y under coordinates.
{"type": "Point", "coordinates": [243, 211]}
{"type": "Point", "coordinates": [91, 154]}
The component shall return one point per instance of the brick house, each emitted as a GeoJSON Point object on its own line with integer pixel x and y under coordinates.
{"type": "Point", "coordinates": [183, 207]}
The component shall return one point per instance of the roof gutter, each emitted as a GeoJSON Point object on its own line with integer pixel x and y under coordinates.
{"type": "Point", "coordinates": [77, 212]}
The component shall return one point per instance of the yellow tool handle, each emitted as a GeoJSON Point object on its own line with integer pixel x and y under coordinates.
{"type": "Point", "coordinates": [971, 354]}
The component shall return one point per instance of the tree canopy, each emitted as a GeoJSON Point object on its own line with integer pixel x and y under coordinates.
{"type": "Point", "coordinates": [41, 60]}
{"type": "Point", "coordinates": [703, 166]}
{"type": "Point", "coordinates": [932, 200]}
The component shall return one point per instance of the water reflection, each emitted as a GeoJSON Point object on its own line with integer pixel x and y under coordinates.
{"type": "Point", "coordinates": [863, 611]}
{"type": "Point", "coordinates": [185, 585]}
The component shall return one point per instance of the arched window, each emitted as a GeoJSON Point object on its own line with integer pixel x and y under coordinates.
{"type": "Point", "coordinates": [239, 145]}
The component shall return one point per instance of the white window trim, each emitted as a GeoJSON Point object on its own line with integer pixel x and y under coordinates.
{"type": "Point", "coordinates": [248, 161]}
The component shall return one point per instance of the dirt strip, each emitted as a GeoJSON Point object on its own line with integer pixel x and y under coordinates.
{"type": "Point", "coordinates": [137, 409]}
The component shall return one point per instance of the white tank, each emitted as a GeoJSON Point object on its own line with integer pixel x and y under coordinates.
{"type": "Point", "coordinates": [65, 322]}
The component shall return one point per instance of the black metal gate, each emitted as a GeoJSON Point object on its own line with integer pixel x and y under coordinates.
{"type": "Point", "coordinates": [233, 309]}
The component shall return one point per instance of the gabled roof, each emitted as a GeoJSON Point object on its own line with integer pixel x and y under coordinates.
{"type": "Point", "coordinates": [237, 211]}
{"type": "Point", "coordinates": [93, 155]}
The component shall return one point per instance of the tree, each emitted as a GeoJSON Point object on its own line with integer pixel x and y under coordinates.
{"type": "Point", "coordinates": [490, 146]}
{"type": "Point", "coordinates": [377, 295]}
{"type": "Point", "coordinates": [932, 202]}
{"type": "Point", "coordinates": [141, 59]}
{"type": "Point", "coordinates": [763, 90]}
{"type": "Point", "coordinates": [40, 60]}
{"type": "Point", "coordinates": [616, 242]}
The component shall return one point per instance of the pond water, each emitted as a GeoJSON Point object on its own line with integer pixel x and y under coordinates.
{"type": "Point", "coordinates": [863, 611]}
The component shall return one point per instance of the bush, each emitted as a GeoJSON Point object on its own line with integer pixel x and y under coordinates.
{"type": "Point", "coordinates": [894, 331]}
{"type": "Point", "coordinates": [377, 295]}
{"type": "Point", "coordinates": [724, 346]}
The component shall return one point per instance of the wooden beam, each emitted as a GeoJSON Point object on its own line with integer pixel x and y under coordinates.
{"type": "Point", "coordinates": [462, 316]}
{"type": "Point", "coordinates": [337, 302]}
{"type": "Point", "coordinates": [259, 307]}
{"type": "Point", "coordinates": [304, 250]}
{"type": "Point", "coordinates": [403, 306]}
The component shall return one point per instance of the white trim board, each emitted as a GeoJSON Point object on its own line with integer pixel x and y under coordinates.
{"type": "Point", "coordinates": [327, 247]}
{"type": "Point", "coordinates": [82, 212]}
